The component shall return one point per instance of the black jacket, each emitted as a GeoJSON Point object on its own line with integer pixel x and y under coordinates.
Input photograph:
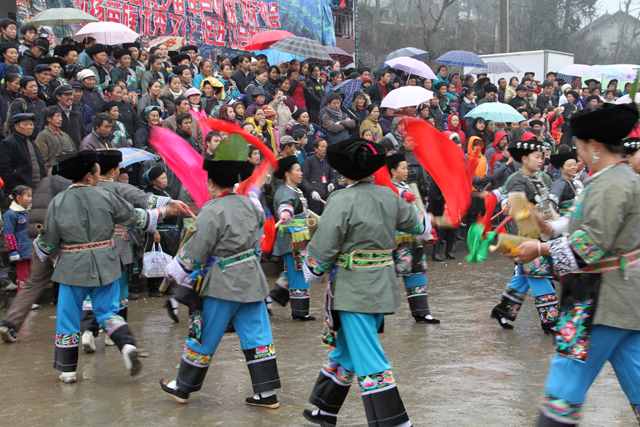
{"type": "Point", "coordinates": [72, 125]}
{"type": "Point", "coordinates": [15, 162]}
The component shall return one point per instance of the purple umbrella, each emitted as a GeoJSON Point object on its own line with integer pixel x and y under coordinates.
{"type": "Point", "coordinates": [461, 58]}
{"type": "Point", "coordinates": [340, 54]}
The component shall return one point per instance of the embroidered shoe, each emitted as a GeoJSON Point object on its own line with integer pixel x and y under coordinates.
{"type": "Point", "coordinates": [68, 377]}
{"type": "Point", "coordinates": [88, 342]}
{"type": "Point", "coordinates": [316, 418]}
{"type": "Point", "coordinates": [172, 388]}
{"type": "Point", "coordinates": [8, 333]}
{"type": "Point", "coordinates": [429, 319]}
{"type": "Point", "coordinates": [504, 324]}
{"type": "Point", "coordinates": [131, 361]}
{"type": "Point", "coordinates": [270, 402]}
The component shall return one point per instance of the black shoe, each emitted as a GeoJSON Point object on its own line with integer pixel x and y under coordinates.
{"type": "Point", "coordinates": [179, 395]}
{"type": "Point", "coordinates": [322, 420]}
{"type": "Point", "coordinates": [425, 319]}
{"type": "Point", "coordinates": [501, 320]}
{"type": "Point", "coordinates": [306, 318]}
{"type": "Point", "coordinates": [270, 402]}
{"type": "Point", "coordinates": [8, 333]}
{"type": "Point", "coordinates": [449, 256]}
{"type": "Point", "coordinates": [171, 312]}
{"type": "Point", "coordinates": [280, 295]}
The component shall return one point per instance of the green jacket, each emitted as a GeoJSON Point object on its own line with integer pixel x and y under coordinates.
{"type": "Point", "coordinates": [364, 216]}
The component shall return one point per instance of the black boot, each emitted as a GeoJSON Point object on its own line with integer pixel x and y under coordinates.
{"type": "Point", "coordinates": [299, 300]}
{"type": "Point", "coordinates": [329, 393]}
{"type": "Point", "coordinates": [419, 305]}
{"type": "Point", "coordinates": [263, 368]}
{"type": "Point", "coordinates": [171, 388]}
{"type": "Point", "coordinates": [547, 306]}
{"type": "Point", "coordinates": [450, 242]}
{"type": "Point", "coordinates": [435, 252]}
{"type": "Point", "coordinates": [508, 308]}
{"type": "Point", "coordinates": [279, 295]}
{"type": "Point", "coordinates": [382, 403]}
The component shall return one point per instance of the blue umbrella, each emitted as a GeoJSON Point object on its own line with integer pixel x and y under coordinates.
{"type": "Point", "coordinates": [132, 156]}
{"type": "Point", "coordinates": [276, 57]}
{"type": "Point", "coordinates": [496, 112]}
{"type": "Point", "coordinates": [412, 52]}
{"type": "Point", "coordinates": [461, 58]}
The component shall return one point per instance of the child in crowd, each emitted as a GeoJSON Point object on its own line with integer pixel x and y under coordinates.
{"type": "Point", "coordinates": [16, 232]}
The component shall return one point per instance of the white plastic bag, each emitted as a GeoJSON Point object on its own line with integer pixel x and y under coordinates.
{"type": "Point", "coordinates": [155, 262]}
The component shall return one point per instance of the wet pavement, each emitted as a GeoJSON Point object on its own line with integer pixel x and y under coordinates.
{"type": "Point", "coordinates": [465, 372]}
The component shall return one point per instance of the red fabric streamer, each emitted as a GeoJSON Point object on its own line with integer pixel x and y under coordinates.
{"type": "Point", "coordinates": [444, 161]}
{"type": "Point", "coordinates": [269, 236]}
{"type": "Point", "coordinates": [490, 203]}
{"type": "Point", "coordinates": [383, 177]}
{"type": "Point", "coordinates": [183, 161]}
{"type": "Point", "coordinates": [259, 174]}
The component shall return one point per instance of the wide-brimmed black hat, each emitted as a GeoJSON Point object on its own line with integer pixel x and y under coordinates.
{"type": "Point", "coordinates": [64, 49]}
{"type": "Point", "coordinates": [356, 158]}
{"type": "Point", "coordinates": [518, 149]}
{"type": "Point", "coordinates": [21, 117]}
{"type": "Point", "coordinates": [393, 160]}
{"type": "Point", "coordinates": [631, 145]}
{"type": "Point", "coordinates": [188, 48]}
{"type": "Point", "coordinates": [608, 124]}
{"type": "Point", "coordinates": [97, 48]}
{"type": "Point", "coordinates": [76, 166]}
{"type": "Point", "coordinates": [109, 159]}
{"type": "Point", "coordinates": [564, 153]}
{"type": "Point", "coordinates": [227, 173]}
{"type": "Point", "coordinates": [284, 165]}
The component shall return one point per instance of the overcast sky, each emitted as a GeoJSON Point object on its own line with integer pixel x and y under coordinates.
{"type": "Point", "coordinates": [612, 6]}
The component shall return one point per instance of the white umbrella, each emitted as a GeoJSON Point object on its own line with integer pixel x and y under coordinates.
{"type": "Point", "coordinates": [578, 70]}
{"type": "Point", "coordinates": [617, 71]}
{"type": "Point", "coordinates": [406, 96]}
{"type": "Point", "coordinates": [626, 99]}
{"type": "Point", "coordinates": [62, 16]}
{"type": "Point", "coordinates": [411, 66]}
{"type": "Point", "coordinates": [109, 33]}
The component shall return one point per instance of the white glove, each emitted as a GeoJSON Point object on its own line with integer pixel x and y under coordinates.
{"type": "Point", "coordinates": [15, 256]}
{"type": "Point", "coordinates": [316, 196]}
{"type": "Point", "coordinates": [331, 187]}
{"type": "Point", "coordinates": [309, 275]}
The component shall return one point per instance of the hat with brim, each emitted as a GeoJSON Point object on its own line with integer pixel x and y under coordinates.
{"type": "Point", "coordinates": [226, 173]}
{"type": "Point", "coordinates": [179, 58]}
{"type": "Point", "coordinates": [524, 147]}
{"type": "Point", "coordinates": [284, 165]}
{"type": "Point", "coordinates": [564, 153]}
{"type": "Point", "coordinates": [52, 60]}
{"type": "Point", "coordinates": [631, 145]}
{"type": "Point", "coordinates": [108, 160]}
{"type": "Point", "coordinates": [536, 122]}
{"type": "Point", "coordinates": [608, 124]}
{"type": "Point", "coordinates": [393, 160]}
{"type": "Point", "coordinates": [189, 47]}
{"type": "Point", "coordinates": [22, 117]}
{"type": "Point", "coordinates": [77, 166]}
{"type": "Point", "coordinates": [356, 158]}
{"type": "Point", "coordinates": [63, 89]}
{"type": "Point", "coordinates": [96, 49]}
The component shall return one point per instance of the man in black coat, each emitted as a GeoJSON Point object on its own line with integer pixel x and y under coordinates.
{"type": "Point", "coordinates": [71, 118]}
{"type": "Point", "coordinates": [20, 160]}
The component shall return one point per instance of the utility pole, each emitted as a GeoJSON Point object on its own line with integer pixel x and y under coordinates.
{"type": "Point", "coordinates": [356, 36]}
{"type": "Point", "coordinates": [505, 30]}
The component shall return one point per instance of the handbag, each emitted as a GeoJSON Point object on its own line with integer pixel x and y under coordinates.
{"type": "Point", "coordinates": [155, 262]}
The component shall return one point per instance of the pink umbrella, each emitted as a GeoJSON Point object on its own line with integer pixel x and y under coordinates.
{"type": "Point", "coordinates": [109, 33]}
{"type": "Point", "coordinates": [411, 66]}
{"type": "Point", "coordinates": [265, 39]}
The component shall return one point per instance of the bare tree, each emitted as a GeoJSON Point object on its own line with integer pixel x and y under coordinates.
{"type": "Point", "coordinates": [431, 17]}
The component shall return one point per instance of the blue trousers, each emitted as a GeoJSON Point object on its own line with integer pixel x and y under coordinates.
{"type": "Point", "coordinates": [538, 286]}
{"type": "Point", "coordinates": [295, 277]}
{"type": "Point", "coordinates": [106, 301]}
{"type": "Point", "coordinates": [569, 380]}
{"type": "Point", "coordinates": [251, 322]}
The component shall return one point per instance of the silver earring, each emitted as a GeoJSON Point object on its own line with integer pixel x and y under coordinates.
{"type": "Point", "coordinates": [595, 156]}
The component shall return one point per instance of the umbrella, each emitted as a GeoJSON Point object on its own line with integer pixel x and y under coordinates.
{"type": "Point", "coordinates": [617, 71]}
{"type": "Point", "coordinates": [62, 16]}
{"type": "Point", "coordinates": [340, 55]}
{"type": "Point", "coordinates": [265, 39]}
{"type": "Point", "coordinates": [498, 67]}
{"type": "Point", "coordinates": [172, 43]}
{"type": "Point", "coordinates": [412, 52]}
{"type": "Point", "coordinates": [109, 33]}
{"type": "Point", "coordinates": [406, 96]}
{"type": "Point", "coordinates": [276, 57]}
{"type": "Point", "coordinates": [578, 70]}
{"type": "Point", "coordinates": [496, 112]}
{"type": "Point", "coordinates": [626, 99]}
{"type": "Point", "coordinates": [461, 58]}
{"type": "Point", "coordinates": [411, 66]}
{"type": "Point", "coordinates": [304, 47]}
{"type": "Point", "coordinates": [132, 156]}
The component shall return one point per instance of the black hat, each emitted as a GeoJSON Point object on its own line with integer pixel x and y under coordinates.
{"type": "Point", "coordinates": [564, 153]}
{"type": "Point", "coordinates": [490, 88]}
{"type": "Point", "coordinates": [77, 165]}
{"type": "Point", "coordinates": [21, 117]}
{"type": "Point", "coordinates": [176, 59]}
{"type": "Point", "coordinates": [107, 106]}
{"type": "Point", "coordinates": [119, 53]}
{"type": "Point", "coordinates": [188, 48]}
{"type": "Point", "coordinates": [631, 145]}
{"type": "Point", "coordinates": [256, 91]}
{"type": "Point", "coordinates": [153, 173]}
{"type": "Point", "coordinates": [76, 85]}
{"type": "Point", "coordinates": [573, 93]}
{"type": "Point", "coordinates": [62, 89]}
{"type": "Point", "coordinates": [64, 49]}
{"type": "Point", "coordinates": [608, 124]}
{"type": "Point", "coordinates": [296, 114]}
{"type": "Point", "coordinates": [519, 149]}
{"type": "Point", "coordinates": [226, 173]}
{"type": "Point", "coordinates": [536, 122]}
{"type": "Point", "coordinates": [42, 43]}
{"type": "Point", "coordinates": [108, 159]}
{"type": "Point", "coordinates": [52, 60]}
{"type": "Point", "coordinates": [96, 49]}
{"type": "Point", "coordinates": [298, 131]}
{"type": "Point", "coordinates": [6, 46]}
{"type": "Point", "coordinates": [41, 68]}
{"type": "Point", "coordinates": [356, 158]}
{"type": "Point", "coordinates": [393, 160]}
{"type": "Point", "coordinates": [284, 165]}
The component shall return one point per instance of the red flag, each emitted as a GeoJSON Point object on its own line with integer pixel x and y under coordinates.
{"type": "Point", "coordinates": [490, 203]}
{"type": "Point", "coordinates": [444, 161]}
{"type": "Point", "coordinates": [383, 177]}
{"type": "Point", "coordinates": [269, 236]}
